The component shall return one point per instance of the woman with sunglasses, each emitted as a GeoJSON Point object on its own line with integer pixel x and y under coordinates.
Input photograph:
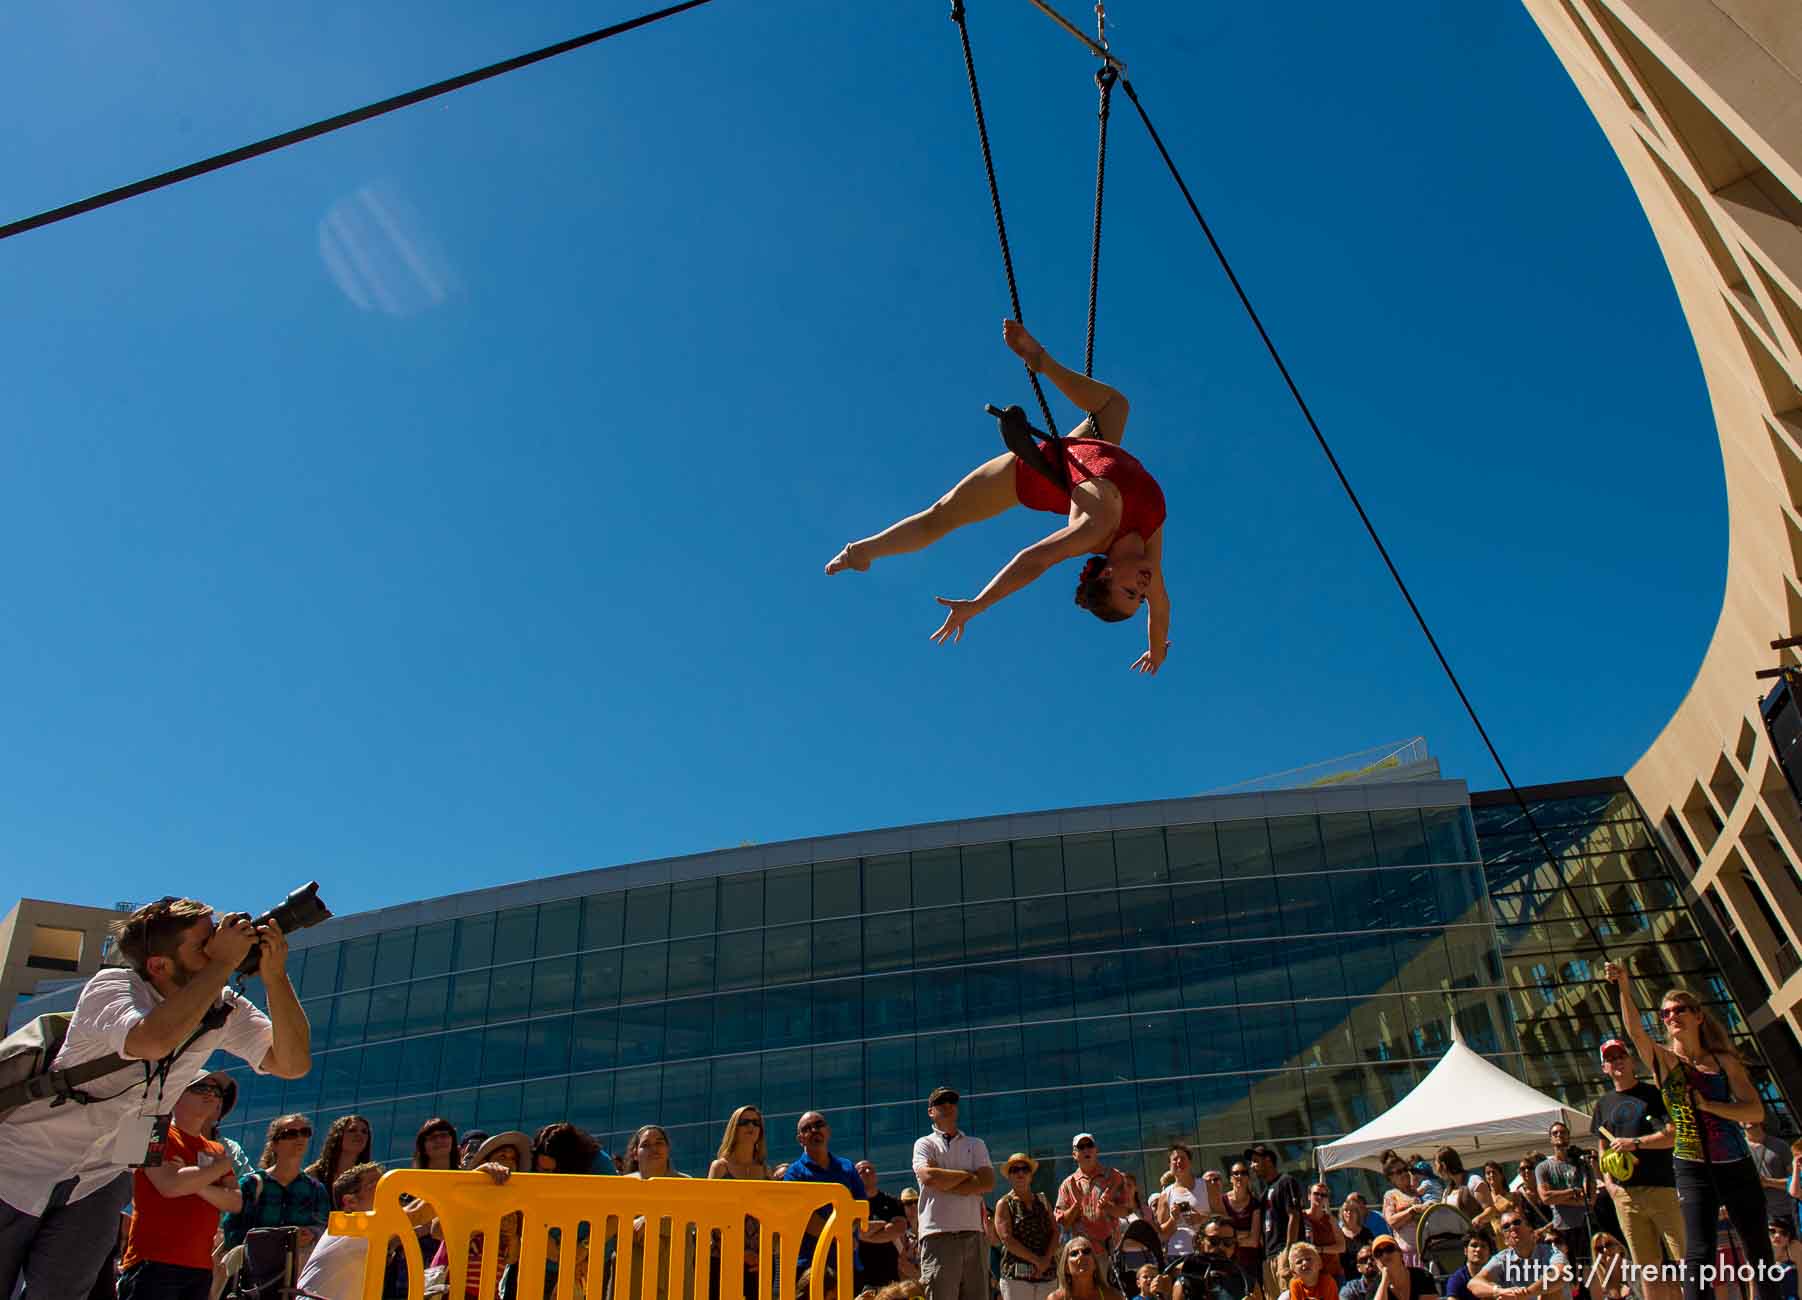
{"type": "Point", "coordinates": [1608, 1275]}
{"type": "Point", "coordinates": [1080, 1273]}
{"type": "Point", "coordinates": [1321, 1230]}
{"type": "Point", "coordinates": [1708, 1095]}
{"type": "Point", "coordinates": [1241, 1208]}
{"type": "Point", "coordinates": [279, 1193]}
{"type": "Point", "coordinates": [743, 1154]}
{"type": "Point", "coordinates": [1028, 1232]}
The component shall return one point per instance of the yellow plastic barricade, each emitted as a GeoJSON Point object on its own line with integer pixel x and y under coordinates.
{"type": "Point", "coordinates": [630, 1238]}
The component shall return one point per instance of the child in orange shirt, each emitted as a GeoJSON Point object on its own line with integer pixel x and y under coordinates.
{"type": "Point", "coordinates": [1310, 1281]}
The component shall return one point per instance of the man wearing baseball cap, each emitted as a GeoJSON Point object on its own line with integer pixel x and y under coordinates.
{"type": "Point", "coordinates": [1094, 1198]}
{"type": "Point", "coordinates": [954, 1172]}
{"type": "Point", "coordinates": [1636, 1168]}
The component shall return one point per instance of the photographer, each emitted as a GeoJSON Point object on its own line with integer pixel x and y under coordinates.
{"type": "Point", "coordinates": [64, 1180]}
{"type": "Point", "coordinates": [1211, 1272]}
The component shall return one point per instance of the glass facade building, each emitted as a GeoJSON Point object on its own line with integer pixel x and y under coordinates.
{"type": "Point", "coordinates": [1280, 966]}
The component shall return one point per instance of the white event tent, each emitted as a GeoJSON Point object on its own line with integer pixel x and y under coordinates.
{"type": "Point", "coordinates": [1466, 1103]}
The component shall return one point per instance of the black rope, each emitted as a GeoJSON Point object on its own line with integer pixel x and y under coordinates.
{"type": "Point", "coordinates": [1104, 79]}
{"type": "Point", "coordinates": [988, 162]}
{"type": "Point", "coordinates": [327, 125]}
{"type": "Point", "coordinates": [1245, 301]}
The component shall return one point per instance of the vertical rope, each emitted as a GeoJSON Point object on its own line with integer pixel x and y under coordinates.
{"type": "Point", "coordinates": [988, 162]}
{"type": "Point", "coordinates": [1104, 79]}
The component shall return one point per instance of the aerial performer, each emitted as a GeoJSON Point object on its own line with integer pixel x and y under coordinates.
{"type": "Point", "coordinates": [1114, 514]}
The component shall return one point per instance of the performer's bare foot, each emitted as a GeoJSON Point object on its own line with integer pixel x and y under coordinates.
{"type": "Point", "coordinates": [852, 557]}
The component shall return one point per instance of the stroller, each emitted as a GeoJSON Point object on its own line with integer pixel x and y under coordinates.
{"type": "Point", "coordinates": [1142, 1234]}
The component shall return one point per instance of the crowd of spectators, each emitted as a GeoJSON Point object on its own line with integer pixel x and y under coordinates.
{"type": "Point", "coordinates": [1683, 1186]}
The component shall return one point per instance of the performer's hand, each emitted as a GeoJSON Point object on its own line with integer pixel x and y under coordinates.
{"type": "Point", "coordinates": [1614, 973]}
{"type": "Point", "coordinates": [958, 612]}
{"type": "Point", "coordinates": [1151, 660]}
{"type": "Point", "coordinates": [1024, 345]}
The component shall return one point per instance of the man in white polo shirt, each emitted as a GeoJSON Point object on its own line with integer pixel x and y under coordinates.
{"type": "Point", "coordinates": [954, 1173]}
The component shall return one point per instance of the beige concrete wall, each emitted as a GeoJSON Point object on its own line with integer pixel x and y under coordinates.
{"type": "Point", "coordinates": [18, 931]}
{"type": "Point", "coordinates": [1702, 101]}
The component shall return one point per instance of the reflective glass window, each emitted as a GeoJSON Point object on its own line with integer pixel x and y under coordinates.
{"type": "Point", "coordinates": [835, 889]}
{"type": "Point", "coordinates": [597, 978]}
{"type": "Point", "coordinates": [1158, 1046]}
{"type": "Point", "coordinates": [988, 871]}
{"type": "Point", "coordinates": [432, 948]}
{"type": "Point", "coordinates": [1139, 857]}
{"type": "Point", "coordinates": [938, 877]}
{"type": "Point", "coordinates": [691, 908]}
{"type": "Point", "coordinates": [787, 953]}
{"type": "Point", "coordinates": [938, 936]}
{"type": "Point", "coordinates": [559, 928]}
{"type": "Point", "coordinates": [1045, 989]}
{"type": "Point", "coordinates": [394, 955]}
{"type": "Point", "coordinates": [591, 1102]}
{"type": "Point", "coordinates": [1251, 910]}
{"type": "Point", "coordinates": [1354, 903]}
{"type": "Point", "coordinates": [737, 1081]}
{"type": "Point", "coordinates": [603, 920]}
{"type": "Point", "coordinates": [643, 971]}
{"type": "Point", "coordinates": [338, 1079]}
{"type": "Point", "coordinates": [1207, 972]}
{"type": "Point", "coordinates": [1319, 1032]}
{"type": "Point", "coordinates": [1307, 905]}
{"type": "Point", "coordinates": [510, 992]}
{"type": "Point", "coordinates": [1421, 961]}
{"type": "Point", "coordinates": [426, 1001]}
{"type": "Point", "coordinates": [690, 967]}
{"type": "Point", "coordinates": [320, 975]}
{"type": "Point", "coordinates": [684, 1099]}
{"type": "Point", "coordinates": [837, 1011]}
{"type": "Point", "coordinates": [888, 1006]}
{"type": "Point", "coordinates": [1347, 841]}
{"type": "Point", "coordinates": [349, 1017]}
{"type": "Point", "coordinates": [553, 985]}
{"type": "Point", "coordinates": [1450, 837]}
{"type": "Point", "coordinates": [741, 901]}
{"type": "Point", "coordinates": [738, 1022]}
{"type": "Point", "coordinates": [787, 1090]}
{"type": "Point", "coordinates": [1401, 839]}
{"type": "Point", "coordinates": [1259, 973]}
{"type": "Point", "coordinates": [1193, 851]}
{"type": "Point", "coordinates": [1154, 979]}
{"type": "Point", "coordinates": [991, 994]}
{"type": "Point", "coordinates": [358, 968]}
{"type": "Point", "coordinates": [688, 1028]}
{"type": "Point", "coordinates": [637, 1097]}
{"type": "Point", "coordinates": [938, 1000]}
{"type": "Point", "coordinates": [1269, 1035]}
{"type": "Point", "coordinates": [1104, 1049]}
{"type": "Point", "coordinates": [547, 1046]}
{"type": "Point", "coordinates": [647, 913]}
{"type": "Point", "coordinates": [641, 1033]}
{"type": "Point", "coordinates": [1460, 893]}
{"type": "Point", "coordinates": [594, 1041]}
{"type": "Point", "coordinates": [739, 961]}
{"type": "Point", "coordinates": [515, 933]}
{"type": "Point", "coordinates": [888, 1068]}
{"type": "Point", "coordinates": [788, 895]}
{"type": "Point", "coordinates": [1038, 867]}
{"type": "Point", "coordinates": [1053, 1118]}
{"type": "Point", "coordinates": [1099, 983]}
{"type": "Point", "coordinates": [1042, 926]}
{"type": "Point", "coordinates": [1111, 1113]}
{"type": "Point", "coordinates": [1314, 967]}
{"type": "Point", "coordinates": [996, 1064]}
{"type": "Point", "coordinates": [1089, 861]}
{"type": "Point", "coordinates": [459, 1104]}
{"type": "Point", "coordinates": [1197, 913]}
{"type": "Point", "coordinates": [475, 941]}
{"type": "Point", "coordinates": [988, 932]}
{"type": "Point", "coordinates": [942, 1059]}
{"type": "Point", "coordinates": [887, 883]}
{"type": "Point", "coordinates": [1295, 844]}
{"type": "Point", "coordinates": [497, 1107]}
{"type": "Point", "coordinates": [1378, 1028]}
{"type": "Point", "coordinates": [888, 942]}
{"type": "Point", "coordinates": [418, 1070]}
{"type": "Point", "coordinates": [1094, 920]}
{"type": "Point", "coordinates": [837, 948]}
{"type": "Point", "coordinates": [503, 1052]}
{"type": "Point", "coordinates": [787, 1016]}
{"type": "Point", "coordinates": [1145, 916]}
{"type": "Point", "coordinates": [545, 1101]}
{"type": "Point", "coordinates": [1244, 848]}
{"type": "Point", "coordinates": [388, 1012]}
{"type": "Point", "coordinates": [462, 1056]}
{"type": "Point", "coordinates": [1215, 1043]}
{"type": "Point", "coordinates": [1165, 1116]}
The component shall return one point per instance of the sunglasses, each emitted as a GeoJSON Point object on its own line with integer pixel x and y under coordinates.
{"type": "Point", "coordinates": [750, 1121]}
{"type": "Point", "coordinates": [1317, 1195]}
{"type": "Point", "coordinates": [1381, 1251]}
{"type": "Point", "coordinates": [1219, 1238]}
{"type": "Point", "coordinates": [287, 1133]}
{"type": "Point", "coordinates": [1511, 1224]}
{"type": "Point", "coordinates": [1671, 1013]}
{"type": "Point", "coordinates": [208, 1090]}
{"type": "Point", "coordinates": [1084, 1146]}
{"type": "Point", "coordinates": [814, 1126]}
{"type": "Point", "coordinates": [1239, 1173]}
{"type": "Point", "coordinates": [1210, 1178]}
{"type": "Point", "coordinates": [1078, 1253]}
{"type": "Point", "coordinates": [1018, 1169]}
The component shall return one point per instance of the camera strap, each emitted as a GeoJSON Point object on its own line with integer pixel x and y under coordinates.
{"type": "Point", "coordinates": [60, 1087]}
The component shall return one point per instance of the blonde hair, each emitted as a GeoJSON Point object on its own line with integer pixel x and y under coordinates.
{"type": "Point", "coordinates": [1713, 1036]}
{"type": "Point", "coordinates": [760, 1153]}
{"type": "Point", "coordinates": [1104, 1285]}
{"type": "Point", "coordinates": [1300, 1250]}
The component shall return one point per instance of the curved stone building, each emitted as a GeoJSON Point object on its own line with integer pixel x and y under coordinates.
{"type": "Point", "coordinates": [1702, 101]}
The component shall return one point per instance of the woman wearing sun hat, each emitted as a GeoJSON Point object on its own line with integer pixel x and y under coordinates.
{"type": "Point", "coordinates": [1028, 1232]}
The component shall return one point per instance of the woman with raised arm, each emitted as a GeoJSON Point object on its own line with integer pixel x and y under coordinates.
{"type": "Point", "coordinates": [1114, 513]}
{"type": "Point", "coordinates": [1708, 1095]}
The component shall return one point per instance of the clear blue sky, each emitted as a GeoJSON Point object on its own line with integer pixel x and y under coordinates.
{"type": "Point", "coordinates": [443, 503]}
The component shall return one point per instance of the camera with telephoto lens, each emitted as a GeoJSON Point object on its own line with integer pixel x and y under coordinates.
{"type": "Point", "coordinates": [295, 912]}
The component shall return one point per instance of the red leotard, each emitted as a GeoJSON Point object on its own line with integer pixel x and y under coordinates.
{"type": "Point", "coordinates": [1141, 499]}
